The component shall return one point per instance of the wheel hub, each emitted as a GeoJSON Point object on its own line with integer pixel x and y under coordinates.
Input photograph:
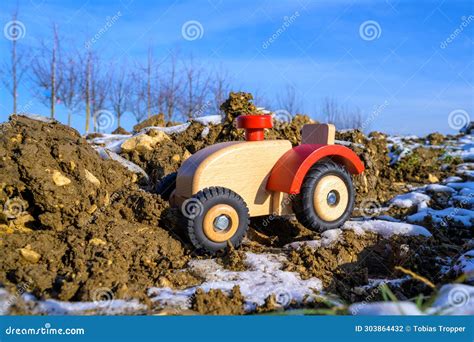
{"type": "Point", "coordinates": [333, 198]}
{"type": "Point", "coordinates": [221, 222]}
{"type": "Point", "coordinates": [330, 198]}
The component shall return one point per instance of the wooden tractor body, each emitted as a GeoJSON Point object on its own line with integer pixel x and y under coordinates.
{"type": "Point", "coordinates": [221, 186]}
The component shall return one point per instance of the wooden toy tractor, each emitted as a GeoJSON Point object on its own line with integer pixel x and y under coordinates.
{"type": "Point", "coordinates": [221, 186]}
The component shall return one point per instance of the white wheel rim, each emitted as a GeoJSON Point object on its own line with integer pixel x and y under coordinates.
{"type": "Point", "coordinates": [330, 198]}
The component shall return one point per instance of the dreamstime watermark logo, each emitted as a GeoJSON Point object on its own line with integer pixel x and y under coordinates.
{"type": "Point", "coordinates": [109, 22]}
{"type": "Point", "coordinates": [370, 207]}
{"type": "Point", "coordinates": [24, 109]}
{"type": "Point", "coordinates": [287, 22]}
{"type": "Point", "coordinates": [370, 30]}
{"type": "Point", "coordinates": [283, 297]}
{"type": "Point", "coordinates": [202, 110]}
{"type": "Point", "coordinates": [452, 215]}
{"type": "Point", "coordinates": [14, 30]}
{"type": "Point", "coordinates": [374, 114]}
{"type": "Point", "coordinates": [192, 208]}
{"type": "Point", "coordinates": [104, 119]}
{"type": "Point", "coordinates": [192, 30]}
{"type": "Point", "coordinates": [283, 115]}
{"type": "Point", "coordinates": [21, 289]}
{"type": "Point", "coordinates": [14, 207]}
{"type": "Point", "coordinates": [465, 21]}
{"type": "Point", "coordinates": [374, 293]}
{"type": "Point", "coordinates": [458, 297]}
{"type": "Point", "coordinates": [458, 118]}
{"type": "Point", "coordinates": [285, 202]}
{"type": "Point", "coordinates": [103, 297]}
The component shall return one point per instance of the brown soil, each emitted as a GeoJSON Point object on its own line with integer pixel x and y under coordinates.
{"type": "Point", "coordinates": [120, 130]}
{"type": "Point", "coordinates": [350, 263]}
{"type": "Point", "coordinates": [239, 103]}
{"type": "Point", "coordinates": [74, 233]}
{"type": "Point", "coordinates": [216, 302]}
{"type": "Point", "coordinates": [375, 183]}
{"type": "Point", "coordinates": [154, 120]}
{"type": "Point", "coordinates": [233, 259]}
{"type": "Point", "coordinates": [422, 165]}
{"type": "Point", "coordinates": [435, 138]}
{"type": "Point", "coordinates": [160, 161]}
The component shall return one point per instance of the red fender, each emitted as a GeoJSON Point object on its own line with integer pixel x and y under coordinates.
{"type": "Point", "coordinates": [288, 173]}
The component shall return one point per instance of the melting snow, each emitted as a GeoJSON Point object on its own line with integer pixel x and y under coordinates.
{"type": "Point", "coordinates": [209, 119]}
{"type": "Point", "coordinates": [453, 179]}
{"type": "Point", "coordinates": [110, 307]}
{"type": "Point", "coordinates": [454, 299]}
{"type": "Point", "coordinates": [465, 265]}
{"type": "Point", "coordinates": [386, 228]}
{"type": "Point", "coordinates": [37, 117]}
{"type": "Point", "coordinates": [461, 185]}
{"type": "Point", "coordinates": [106, 154]}
{"type": "Point", "coordinates": [444, 217]}
{"type": "Point", "coordinates": [263, 278]}
{"type": "Point", "coordinates": [411, 199]}
{"type": "Point", "coordinates": [168, 130]}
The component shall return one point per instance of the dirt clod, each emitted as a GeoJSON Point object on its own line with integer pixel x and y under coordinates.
{"type": "Point", "coordinates": [69, 236]}
{"type": "Point", "coordinates": [216, 302]}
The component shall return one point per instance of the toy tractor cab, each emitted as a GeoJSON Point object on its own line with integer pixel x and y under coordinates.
{"type": "Point", "coordinates": [221, 186]}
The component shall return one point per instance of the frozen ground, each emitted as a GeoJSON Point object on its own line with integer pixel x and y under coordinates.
{"type": "Point", "coordinates": [448, 204]}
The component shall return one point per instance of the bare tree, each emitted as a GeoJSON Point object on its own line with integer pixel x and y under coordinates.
{"type": "Point", "coordinates": [146, 95]}
{"type": "Point", "coordinates": [220, 89]}
{"type": "Point", "coordinates": [171, 88]}
{"type": "Point", "coordinates": [261, 100]}
{"type": "Point", "coordinates": [13, 71]}
{"type": "Point", "coordinates": [289, 100]}
{"type": "Point", "coordinates": [195, 97]}
{"type": "Point", "coordinates": [341, 116]}
{"type": "Point", "coordinates": [100, 84]}
{"type": "Point", "coordinates": [149, 71]}
{"type": "Point", "coordinates": [70, 88]}
{"type": "Point", "coordinates": [44, 69]}
{"type": "Point", "coordinates": [86, 76]}
{"type": "Point", "coordinates": [139, 102]}
{"type": "Point", "coordinates": [120, 92]}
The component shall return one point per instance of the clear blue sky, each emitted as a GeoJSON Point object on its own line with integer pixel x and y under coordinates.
{"type": "Point", "coordinates": [407, 67]}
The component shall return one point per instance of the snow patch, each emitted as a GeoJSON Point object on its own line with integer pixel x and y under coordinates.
{"type": "Point", "coordinates": [263, 278]}
{"type": "Point", "coordinates": [386, 228]}
{"type": "Point", "coordinates": [106, 154]}
{"type": "Point", "coordinates": [209, 120]}
{"type": "Point", "coordinates": [168, 130]}
{"type": "Point", "coordinates": [453, 179]}
{"type": "Point", "coordinates": [37, 117]}
{"type": "Point", "coordinates": [109, 307]}
{"type": "Point", "coordinates": [465, 265]}
{"type": "Point", "coordinates": [454, 299]}
{"type": "Point", "coordinates": [445, 217]}
{"type": "Point", "coordinates": [410, 200]}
